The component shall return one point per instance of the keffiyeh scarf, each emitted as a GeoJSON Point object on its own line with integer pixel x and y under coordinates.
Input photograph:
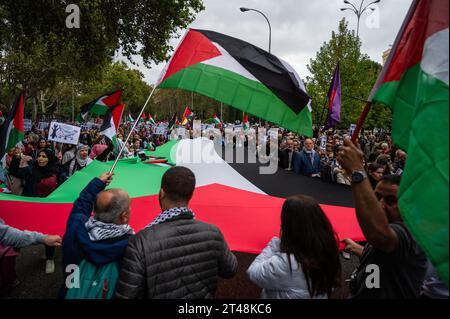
{"type": "Point", "coordinates": [98, 230]}
{"type": "Point", "coordinates": [170, 214]}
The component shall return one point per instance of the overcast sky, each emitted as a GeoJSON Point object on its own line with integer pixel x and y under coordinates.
{"type": "Point", "coordinates": [299, 27]}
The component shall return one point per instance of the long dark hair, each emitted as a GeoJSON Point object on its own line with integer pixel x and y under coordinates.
{"type": "Point", "coordinates": [307, 234]}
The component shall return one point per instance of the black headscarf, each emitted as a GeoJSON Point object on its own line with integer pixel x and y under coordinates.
{"type": "Point", "coordinates": [48, 170]}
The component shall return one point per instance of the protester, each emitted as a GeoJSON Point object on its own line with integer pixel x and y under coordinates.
{"type": "Point", "coordinates": [390, 245]}
{"type": "Point", "coordinates": [375, 172]}
{"type": "Point", "coordinates": [100, 239]}
{"type": "Point", "coordinates": [385, 161]}
{"type": "Point", "coordinates": [15, 184]}
{"type": "Point", "coordinates": [40, 180]}
{"type": "Point", "coordinates": [307, 162]}
{"type": "Point", "coordinates": [68, 153]}
{"type": "Point", "coordinates": [176, 256]}
{"type": "Point", "coordinates": [304, 262]}
{"type": "Point", "coordinates": [39, 177]}
{"type": "Point", "coordinates": [399, 162]}
{"type": "Point", "coordinates": [12, 239]}
{"type": "Point", "coordinates": [80, 161]}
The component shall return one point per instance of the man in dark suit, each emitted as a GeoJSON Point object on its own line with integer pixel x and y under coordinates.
{"type": "Point", "coordinates": [307, 162]}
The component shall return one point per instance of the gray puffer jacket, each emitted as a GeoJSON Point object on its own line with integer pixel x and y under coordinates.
{"type": "Point", "coordinates": [180, 258]}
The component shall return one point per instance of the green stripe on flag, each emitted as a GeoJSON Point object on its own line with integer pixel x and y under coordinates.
{"type": "Point", "coordinates": [132, 175]}
{"type": "Point", "coordinates": [14, 137]}
{"type": "Point", "coordinates": [421, 127]}
{"type": "Point", "coordinates": [242, 93]}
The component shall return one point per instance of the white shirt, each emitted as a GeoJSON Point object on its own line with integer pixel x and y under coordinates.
{"type": "Point", "coordinates": [270, 271]}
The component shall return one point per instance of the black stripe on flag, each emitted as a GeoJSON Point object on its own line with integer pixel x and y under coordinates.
{"type": "Point", "coordinates": [264, 66]}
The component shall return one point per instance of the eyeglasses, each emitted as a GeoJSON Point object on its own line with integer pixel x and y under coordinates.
{"type": "Point", "coordinates": [389, 199]}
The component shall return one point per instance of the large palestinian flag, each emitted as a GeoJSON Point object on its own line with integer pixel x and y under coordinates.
{"type": "Point", "coordinates": [241, 75]}
{"type": "Point", "coordinates": [247, 216]}
{"type": "Point", "coordinates": [100, 105]}
{"type": "Point", "coordinates": [12, 131]}
{"type": "Point", "coordinates": [414, 84]}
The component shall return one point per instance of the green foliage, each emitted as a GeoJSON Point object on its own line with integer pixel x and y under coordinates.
{"type": "Point", "coordinates": [114, 77]}
{"type": "Point", "coordinates": [358, 75]}
{"type": "Point", "coordinates": [168, 101]}
{"type": "Point", "coordinates": [40, 54]}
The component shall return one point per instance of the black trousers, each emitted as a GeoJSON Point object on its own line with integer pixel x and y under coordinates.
{"type": "Point", "coordinates": [49, 252]}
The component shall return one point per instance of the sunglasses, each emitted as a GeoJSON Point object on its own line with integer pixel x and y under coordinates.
{"type": "Point", "coordinates": [389, 199]}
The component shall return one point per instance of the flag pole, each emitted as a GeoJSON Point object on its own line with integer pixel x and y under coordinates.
{"type": "Point", "coordinates": [131, 131]}
{"type": "Point", "coordinates": [361, 120]}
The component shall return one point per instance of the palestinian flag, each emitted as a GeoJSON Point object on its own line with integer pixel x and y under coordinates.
{"type": "Point", "coordinates": [100, 105]}
{"type": "Point", "coordinates": [246, 123]}
{"type": "Point", "coordinates": [111, 122]}
{"type": "Point", "coordinates": [223, 197]}
{"type": "Point", "coordinates": [242, 75]}
{"type": "Point", "coordinates": [12, 131]}
{"type": "Point", "coordinates": [142, 119]}
{"type": "Point", "coordinates": [174, 121]}
{"type": "Point", "coordinates": [130, 118]}
{"type": "Point", "coordinates": [151, 120]}
{"type": "Point", "coordinates": [414, 84]}
{"type": "Point", "coordinates": [216, 119]}
{"type": "Point", "coordinates": [187, 116]}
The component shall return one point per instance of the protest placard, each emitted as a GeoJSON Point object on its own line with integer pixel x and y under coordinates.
{"type": "Point", "coordinates": [42, 126]}
{"type": "Point", "coordinates": [64, 133]}
{"type": "Point", "coordinates": [352, 129]}
{"type": "Point", "coordinates": [323, 142]}
{"type": "Point", "coordinates": [161, 130]}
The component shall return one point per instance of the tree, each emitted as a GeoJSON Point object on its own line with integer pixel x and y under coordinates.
{"type": "Point", "coordinates": [113, 77]}
{"type": "Point", "coordinates": [38, 51]}
{"type": "Point", "coordinates": [358, 75]}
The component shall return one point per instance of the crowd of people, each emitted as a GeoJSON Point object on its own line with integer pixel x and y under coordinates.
{"type": "Point", "coordinates": [178, 256]}
{"type": "Point", "coordinates": [311, 157]}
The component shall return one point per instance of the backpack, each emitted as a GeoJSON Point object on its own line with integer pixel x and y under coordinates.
{"type": "Point", "coordinates": [95, 282]}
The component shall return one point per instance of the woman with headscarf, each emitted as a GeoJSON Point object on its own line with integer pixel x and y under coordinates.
{"type": "Point", "coordinates": [80, 161]}
{"type": "Point", "coordinates": [39, 180]}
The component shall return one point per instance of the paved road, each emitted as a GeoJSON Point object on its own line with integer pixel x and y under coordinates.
{"type": "Point", "coordinates": [35, 284]}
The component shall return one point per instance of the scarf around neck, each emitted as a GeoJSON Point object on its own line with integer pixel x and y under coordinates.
{"type": "Point", "coordinates": [170, 214]}
{"type": "Point", "coordinates": [98, 230]}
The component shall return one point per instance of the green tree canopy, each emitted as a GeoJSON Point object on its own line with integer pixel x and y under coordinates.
{"type": "Point", "coordinates": [358, 75]}
{"type": "Point", "coordinates": [38, 51]}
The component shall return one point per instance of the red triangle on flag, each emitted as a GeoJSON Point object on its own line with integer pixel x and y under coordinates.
{"type": "Point", "coordinates": [112, 99]}
{"type": "Point", "coordinates": [194, 49]}
{"type": "Point", "coordinates": [117, 115]}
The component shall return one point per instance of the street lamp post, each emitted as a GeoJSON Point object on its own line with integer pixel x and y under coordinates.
{"type": "Point", "coordinates": [270, 29]}
{"type": "Point", "coordinates": [359, 12]}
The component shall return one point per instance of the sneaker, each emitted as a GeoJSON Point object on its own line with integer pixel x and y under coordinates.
{"type": "Point", "coordinates": [50, 266]}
